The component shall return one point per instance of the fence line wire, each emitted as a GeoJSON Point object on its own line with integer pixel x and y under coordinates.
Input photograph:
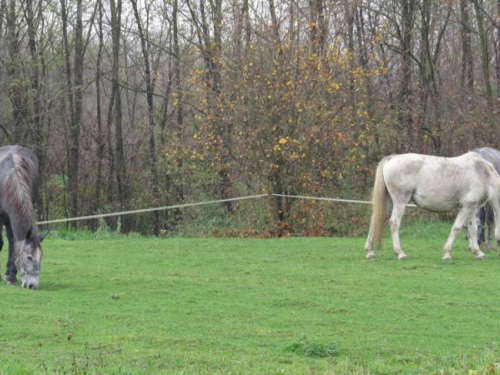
{"type": "Point", "coordinates": [204, 203]}
{"type": "Point", "coordinates": [320, 198]}
{"type": "Point", "coordinates": [328, 199]}
{"type": "Point", "coordinates": [164, 208]}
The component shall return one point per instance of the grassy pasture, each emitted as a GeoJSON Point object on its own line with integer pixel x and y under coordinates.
{"type": "Point", "coordinates": [229, 306]}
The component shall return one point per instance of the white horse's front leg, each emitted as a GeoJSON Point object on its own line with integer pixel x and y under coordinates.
{"type": "Point", "coordinates": [462, 217]}
{"type": "Point", "coordinates": [473, 242]}
{"type": "Point", "coordinates": [395, 221]}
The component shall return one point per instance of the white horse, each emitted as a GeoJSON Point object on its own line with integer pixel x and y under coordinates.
{"type": "Point", "coordinates": [465, 182]}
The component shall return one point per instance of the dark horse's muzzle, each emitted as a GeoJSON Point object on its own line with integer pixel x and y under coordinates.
{"type": "Point", "coordinates": [30, 282]}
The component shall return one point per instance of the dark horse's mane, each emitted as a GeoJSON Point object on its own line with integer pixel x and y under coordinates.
{"type": "Point", "coordinates": [18, 192]}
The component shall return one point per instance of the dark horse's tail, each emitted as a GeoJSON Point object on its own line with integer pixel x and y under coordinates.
{"type": "Point", "coordinates": [380, 197]}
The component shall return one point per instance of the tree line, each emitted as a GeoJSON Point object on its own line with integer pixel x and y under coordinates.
{"type": "Point", "coordinates": [135, 103]}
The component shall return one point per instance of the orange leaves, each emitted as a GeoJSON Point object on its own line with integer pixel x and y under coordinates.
{"type": "Point", "coordinates": [325, 173]}
{"type": "Point", "coordinates": [175, 99]}
{"type": "Point", "coordinates": [333, 87]}
{"type": "Point", "coordinates": [283, 140]}
{"type": "Point", "coordinates": [283, 115]}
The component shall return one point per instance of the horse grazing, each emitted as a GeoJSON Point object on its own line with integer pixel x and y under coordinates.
{"type": "Point", "coordinates": [465, 182]}
{"type": "Point", "coordinates": [18, 189]}
{"type": "Point", "coordinates": [486, 216]}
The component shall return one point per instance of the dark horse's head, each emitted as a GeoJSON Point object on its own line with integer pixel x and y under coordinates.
{"type": "Point", "coordinates": [29, 259]}
{"type": "Point", "coordinates": [18, 189]}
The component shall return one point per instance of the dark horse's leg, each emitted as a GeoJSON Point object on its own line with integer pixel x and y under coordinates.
{"type": "Point", "coordinates": [10, 274]}
{"type": "Point", "coordinates": [490, 220]}
{"type": "Point", "coordinates": [482, 221]}
{"type": "Point", "coordinates": [1, 241]}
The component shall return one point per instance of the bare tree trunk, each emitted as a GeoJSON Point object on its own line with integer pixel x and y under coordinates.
{"type": "Point", "coordinates": [101, 144]}
{"type": "Point", "coordinates": [429, 81]}
{"type": "Point", "coordinates": [497, 46]}
{"type": "Point", "coordinates": [225, 185]}
{"type": "Point", "coordinates": [37, 130]}
{"type": "Point", "coordinates": [350, 8]}
{"type": "Point", "coordinates": [211, 48]}
{"type": "Point", "coordinates": [317, 29]}
{"type": "Point", "coordinates": [110, 146]}
{"type": "Point", "coordinates": [248, 27]}
{"type": "Point", "coordinates": [3, 15]}
{"type": "Point", "coordinates": [275, 27]}
{"type": "Point", "coordinates": [485, 61]}
{"type": "Point", "coordinates": [17, 94]}
{"type": "Point", "coordinates": [467, 76]}
{"type": "Point", "coordinates": [177, 69]}
{"type": "Point", "coordinates": [405, 113]}
{"type": "Point", "coordinates": [175, 188]}
{"type": "Point", "coordinates": [76, 124]}
{"type": "Point", "coordinates": [4, 134]}
{"type": "Point", "coordinates": [313, 25]}
{"type": "Point", "coordinates": [280, 205]}
{"type": "Point", "coordinates": [120, 162]}
{"type": "Point", "coordinates": [361, 34]}
{"type": "Point", "coordinates": [74, 83]}
{"type": "Point", "coordinates": [151, 116]}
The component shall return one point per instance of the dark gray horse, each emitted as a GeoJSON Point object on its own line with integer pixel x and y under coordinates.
{"type": "Point", "coordinates": [486, 216]}
{"type": "Point", "coordinates": [18, 189]}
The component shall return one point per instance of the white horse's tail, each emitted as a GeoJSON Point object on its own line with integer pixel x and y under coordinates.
{"type": "Point", "coordinates": [380, 196]}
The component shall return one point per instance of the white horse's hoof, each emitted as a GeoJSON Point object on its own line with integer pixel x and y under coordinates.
{"type": "Point", "coordinates": [446, 257]}
{"type": "Point", "coordinates": [402, 256]}
{"type": "Point", "coordinates": [370, 255]}
{"type": "Point", "coordinates": [480, 256]}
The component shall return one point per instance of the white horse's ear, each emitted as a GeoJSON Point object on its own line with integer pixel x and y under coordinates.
{"type": "Point", "coordinates": [42, 236]}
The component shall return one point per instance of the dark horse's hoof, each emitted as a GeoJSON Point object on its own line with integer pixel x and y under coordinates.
{"type": "Point", "coordinates": [10, 280]}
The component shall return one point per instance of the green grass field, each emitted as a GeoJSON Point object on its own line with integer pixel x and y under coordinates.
{"type": "Point", "coordinates": [247, 306]}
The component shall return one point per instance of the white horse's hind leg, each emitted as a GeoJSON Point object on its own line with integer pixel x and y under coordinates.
{"type": "Point", "coordinates": [398, 211]}
{"type": "Point", "coordinates": [370, 254]}
{"type": "Point", "coordinates": [462, 217]}
{"type": "Point", "coordinates": [473, 243]}
{"type": "Point", "coordinates": [369, 241]}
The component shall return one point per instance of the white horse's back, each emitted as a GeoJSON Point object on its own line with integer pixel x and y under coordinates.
{"type": "Point", "coordinates": [437, 183]}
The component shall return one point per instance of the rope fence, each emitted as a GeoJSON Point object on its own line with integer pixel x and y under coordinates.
{"type": "Point", "coordinates": [320, 198]}
{"type": "Point", "coordinates": [140, 211]}
{"type": "Point", "coordinates": [328, 199]}
{"type": "Point", "coordinates": [204, 203]}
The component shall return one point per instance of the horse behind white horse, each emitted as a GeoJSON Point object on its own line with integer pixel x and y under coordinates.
{"type": "Point", "coordinates": [465, 182]}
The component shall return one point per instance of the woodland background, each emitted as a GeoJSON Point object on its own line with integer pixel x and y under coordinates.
{"type": "Point", "coordinates": [140, 103]}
